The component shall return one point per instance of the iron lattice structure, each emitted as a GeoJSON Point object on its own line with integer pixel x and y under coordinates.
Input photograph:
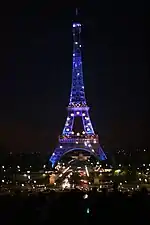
{"type": "Point", "coordinates": [87, 140]}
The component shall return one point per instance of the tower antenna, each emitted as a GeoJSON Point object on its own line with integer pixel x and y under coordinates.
{"type": "Point", "coordinates": [76, 11]}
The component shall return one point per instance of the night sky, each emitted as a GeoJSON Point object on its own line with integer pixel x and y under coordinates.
{"type": "Point", "coordinates": [35, 73]}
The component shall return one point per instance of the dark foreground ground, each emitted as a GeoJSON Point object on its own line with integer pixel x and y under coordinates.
{"type": "Point", "coordinates": [72, 208]}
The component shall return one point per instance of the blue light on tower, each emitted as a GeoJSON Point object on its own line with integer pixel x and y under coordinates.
{"type": "Point", "coordinates": [77, 108]}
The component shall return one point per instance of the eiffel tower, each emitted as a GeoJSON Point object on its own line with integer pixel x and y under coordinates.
{"type": "Point", "coordinates": [87, 140]}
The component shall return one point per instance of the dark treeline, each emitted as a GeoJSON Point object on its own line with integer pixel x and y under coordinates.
{"type": "Point", "coordinates": [136, 158]}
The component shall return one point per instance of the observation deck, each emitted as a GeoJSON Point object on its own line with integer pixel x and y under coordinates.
{"type": "Point", "coordinates": [91, 139]}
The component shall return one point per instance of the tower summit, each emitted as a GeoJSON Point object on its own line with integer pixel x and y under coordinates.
{"type": "Point", "coordinates": [69, 141]}
{"type": "Point", "coordinates": [77, 96]}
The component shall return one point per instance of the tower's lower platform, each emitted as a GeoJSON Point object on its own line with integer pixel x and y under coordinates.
{"type": "Point", "coordinates": [69, 145]}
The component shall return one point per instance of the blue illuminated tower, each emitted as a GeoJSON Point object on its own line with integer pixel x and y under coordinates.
{"type": "Point", "coordinates": [87, 140]}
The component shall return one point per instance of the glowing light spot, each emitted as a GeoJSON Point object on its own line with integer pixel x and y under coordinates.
{"type": "Point", "coordinates": [85, 143]}
{"type": "Point", "coordinates": [88, 211]}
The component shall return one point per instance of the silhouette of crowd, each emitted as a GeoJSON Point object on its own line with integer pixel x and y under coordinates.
{"type": "Point", "coordinates": [76, 207]}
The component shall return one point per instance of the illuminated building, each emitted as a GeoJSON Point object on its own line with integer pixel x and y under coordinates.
{"type": "Point", "coordinates": [52, 179]}
{"type": "Point", "coordinates": [87, 140]}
